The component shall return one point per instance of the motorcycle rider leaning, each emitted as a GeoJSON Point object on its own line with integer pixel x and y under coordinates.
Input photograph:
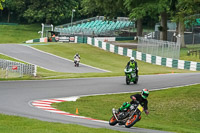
{"type": "Point", "coordinates": [76, 56]}
{"type": "Point", "coordinates": [142, 99]}
{"type": "Point", "coordinates": [133, 64]}
{"type": "Point", "coordinates": [137, 98]}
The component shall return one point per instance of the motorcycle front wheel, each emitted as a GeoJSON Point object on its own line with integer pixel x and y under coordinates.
{"type": "Point", "coordinates": [131, 121]}
{"type": "Point", "coordinates": [112, 121]}
{"type": "Point", "coordinates": [127, 80]}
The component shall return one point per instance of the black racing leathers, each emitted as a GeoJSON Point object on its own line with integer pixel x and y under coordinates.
{"type": "Point", "coordinates": [142, 101]}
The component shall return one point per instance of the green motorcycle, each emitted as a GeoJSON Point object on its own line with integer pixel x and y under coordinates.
{"type": "Point", "coordinates": [130, 76]}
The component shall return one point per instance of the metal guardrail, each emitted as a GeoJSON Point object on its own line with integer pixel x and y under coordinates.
{"type": "Point", "coordinates": [20, 68]}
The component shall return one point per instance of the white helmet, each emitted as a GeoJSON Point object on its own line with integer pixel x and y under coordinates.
{"type": "Point", "coordinates": [132, 59]}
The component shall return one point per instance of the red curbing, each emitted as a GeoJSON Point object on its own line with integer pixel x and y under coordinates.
{"type": "Point", "coordinates": [46, 105]}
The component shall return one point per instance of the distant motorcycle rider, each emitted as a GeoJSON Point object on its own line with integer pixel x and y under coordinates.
{"type": "Point", "coordinates": [77, 57]}
{"type": "Point", "coordinates": [133, 64]}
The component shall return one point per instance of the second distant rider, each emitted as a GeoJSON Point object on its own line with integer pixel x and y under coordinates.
{"type": "Point", "coordinates": [133, 64]}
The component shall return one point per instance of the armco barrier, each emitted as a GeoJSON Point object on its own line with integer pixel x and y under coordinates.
{"type": "Point", "coordinates": [168, 62]}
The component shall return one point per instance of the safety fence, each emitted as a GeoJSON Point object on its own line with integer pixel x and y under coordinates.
{"type": "Point", "coordinates": [16, 69]}
{"type": "Point", "coordinates": [159, 48]}
{"type": "Point", "coordinates": [158, 60]}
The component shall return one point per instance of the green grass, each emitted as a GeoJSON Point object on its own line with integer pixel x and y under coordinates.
{"type": "Point", "coordinates": [165, 112]}
{"type": "Point", "coordinates": [11, 75]}
{"type": "Point", "coordinates": [9, 58]}
{"type": "Point", "coordinates": [93, 56]}
{"type": "Point", "coordinates": [15, 124]}
{"type": "Point", "coordinates": [175, 109]}
{"type": "Point", "coordinates": [19, 33]}
{"type": "Point", "coordinates": [128, 41]}
{"type": "Point", "coordinates": [102, 59]}
{"type": "Point", "coordinates": [184, 51]}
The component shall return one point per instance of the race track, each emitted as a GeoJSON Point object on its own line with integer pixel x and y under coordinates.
{"type": "Point", "coordinates": [16, 96]}
{"type": "Point", "coordinates": [44, 60]}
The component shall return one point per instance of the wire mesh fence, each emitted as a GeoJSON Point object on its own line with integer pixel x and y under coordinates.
{"type": "Point", "coordinates": [159, 48]}
{"type": "Point", "coordinates": [10, 69]}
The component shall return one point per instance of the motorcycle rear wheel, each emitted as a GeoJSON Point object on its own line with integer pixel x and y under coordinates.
{"type": "Point", "coordinates": [112, 121]}
{"type": "Point", "coordinates": [131, 121]}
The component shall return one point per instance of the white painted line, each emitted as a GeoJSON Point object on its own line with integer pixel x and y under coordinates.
{"type": "Point", "coordinates": [66, 59]}
{"type": "Point", "coordinates": [74, 98]}
{"type": "Point", "coordinates": [45, 105]}
{"type": "Point", "coordinates": [26, 61]}
{"type": "Point", "coordinates": [40, 104]}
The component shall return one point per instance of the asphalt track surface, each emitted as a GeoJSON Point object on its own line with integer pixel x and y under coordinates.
{"type": "Point", "coordinates": [16, 96]}
{"type": "Point", "coordinates": [44, 60]}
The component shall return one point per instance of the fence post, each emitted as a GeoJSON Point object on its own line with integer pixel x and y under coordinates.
{"type": "Point", "coordinates": [35, 71]}
{"type": "Point", "coordinates": [1, 72]}
{"type": "Point", "coordinates": [6, 72]}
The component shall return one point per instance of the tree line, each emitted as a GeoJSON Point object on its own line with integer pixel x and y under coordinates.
{"type": "Point", "coordinates": [59, 11]}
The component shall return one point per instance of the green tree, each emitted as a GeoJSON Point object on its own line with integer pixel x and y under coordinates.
{"type": "Point", "coordinates": [10, 6]}
{"type": "Point", "coordinates": [138, 10]}
{"type": "Point", "coordinates": [49, 11]}
{"type": "Point", "coordinates": [16, 8]}
{"type": "Point", "coordinates": [1, 8]}
{"type": "Point", "coordinates": [185, 10]}
{"type": "Point", "coordinates": [107, 8]}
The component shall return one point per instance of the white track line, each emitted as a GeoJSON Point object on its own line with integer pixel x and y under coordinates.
{"type": "Point", "coordinates": [65, 58]}
{"type": "Point", "coordinates": [51, 55]}
{"type": "Point", "coordinates": [45, 104]}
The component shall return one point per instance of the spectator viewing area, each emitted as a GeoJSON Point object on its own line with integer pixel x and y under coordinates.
{"type": "Point", "coordinates": [96, 26]}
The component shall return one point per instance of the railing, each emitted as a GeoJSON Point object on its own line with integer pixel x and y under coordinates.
{"type": "Point", "coordinates": [159, 48]}
{"type": "Point", "coordinates": [19, 68]}
{"type": "Point", "coordinates": [168, 62]}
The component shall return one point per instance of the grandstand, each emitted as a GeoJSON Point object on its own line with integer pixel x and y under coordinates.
{"type": "Point", "coordinates": [96, 26]}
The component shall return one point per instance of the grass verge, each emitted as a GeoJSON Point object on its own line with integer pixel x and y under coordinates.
{"type": "Point", "coordinates": [93, 56]}
{"type": "Point", "coordinates": [175, 109]}
{"type": "Point", "coordinates": [103, 59]}
{"type": "Point", "coordinates": [15, 124]}
{"type": "Point", "coordinates": [192, 57]}
{"type": "Point", "coordinates": [11, 75]}
{"type": "Point", "coordinates": [19, 33]}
